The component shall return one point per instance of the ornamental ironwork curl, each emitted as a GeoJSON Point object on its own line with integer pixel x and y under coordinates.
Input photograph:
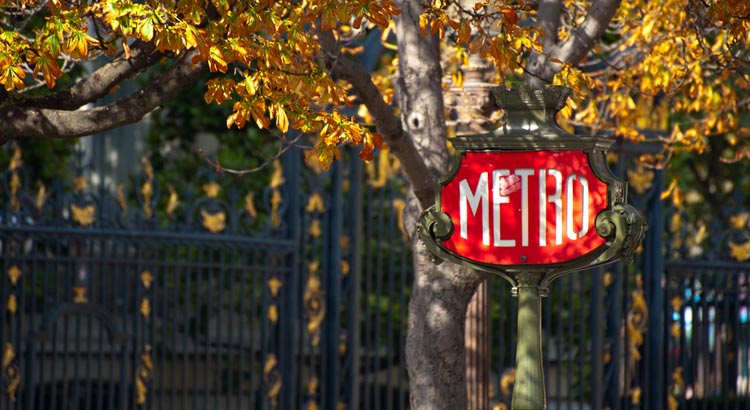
{"type": "Point", "coordinates": [11, 372]}
{"type": "Point", "coordinates": [272, 379]}
{"type": "Point", "coordinates": [143, 375]}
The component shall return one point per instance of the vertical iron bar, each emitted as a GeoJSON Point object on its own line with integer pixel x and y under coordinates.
{"type": "Point", "coordinates": [77, 362]}
{"type": "Point", "coordinates": [333, 293]}
{"type": "Point", "coordinates": [614, 320]}
{"type": "Point", "coordinates": [202, 324]}
{"type": "Point", "coordinates": [66, 357]}
{"type": "Point", "coordinates": [653, 258]}
{"type": "Point", "coordinates": [223, 376]}
{"type": "Point", "coordinates": [248, 269]}
{"type": "Point", "coordinates": [390, 240]}
{"type": "Point", "coordinates": [163, 340]}
{"type": "Point", "coordinates": [186, 330]}
{"type": "Point", "coordinates": [405, 257]}
{"type": "Point", "coordinates": [18, 331]}
{"type": "Point", "coordinates": [356, 181]}
{"type": "Point", "coordinates": [177, 274]}
{"type": "Point", "coordinates": [570, 363]}
{"type": "Point", "coordinates": [232, 365]}
{"type": "Point", "coordinates": [301, 346]}
{"type": "Point", "coordinates": [683, 346]}
{"type": "Point", "coordinates": [627, 371]}
{"type": "Point", "coordinates": [123, 382]}
{"type": "Point", "coordinates": [597, 351]}
{"type": "Point", "coordinates": [212, 295]}
{"type": "Point", "coordinates": [370, 347]}
{"type": "Point", "coordinates": [289, 309]}
{"type": "Point", "coordinates": [720, 341]}
{"type": "Point", "coordinates": [559, 340]}
{"type": "Point", "coordinates": [583, 361]}
{"type": "Point", "coordinates": [132, 311]}
{"type": "Point", "coordinates": [264, 329]}
{"type": "Point", "coordinates": [379, 277]}
{"type": "Point", "coordinates": [33, 325]}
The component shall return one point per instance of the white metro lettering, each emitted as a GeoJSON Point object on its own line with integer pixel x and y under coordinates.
{"type": "Point", "coordinates": [553, 190]}
{"type": "Point", "coordinates": [479, 197]}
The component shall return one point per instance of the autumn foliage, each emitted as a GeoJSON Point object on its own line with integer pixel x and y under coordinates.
{"type": "Point", "coordinates": [679, 66]}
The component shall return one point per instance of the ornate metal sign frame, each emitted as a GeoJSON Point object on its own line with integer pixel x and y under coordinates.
{"type": "Point", "coordinates": [530, 127]}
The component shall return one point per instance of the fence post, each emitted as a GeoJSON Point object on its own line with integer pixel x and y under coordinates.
{"type": "Point", "coordinates": [653, 261]}
{"type": "Point", "coordinates": [290, 309]}
{"type": "Point", "coordinates": [332, 289]}
{"type": "Point", "coordinates": [354, 288]}
{"type": "Point", "coordinates": [597, 345]}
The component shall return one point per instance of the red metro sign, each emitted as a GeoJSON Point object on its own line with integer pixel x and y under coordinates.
{"type": "Point", "coordinates": [520, 208]}
{"type": "Point", "coordinates": [529, 201]}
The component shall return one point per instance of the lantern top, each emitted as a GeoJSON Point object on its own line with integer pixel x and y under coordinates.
{"type": "Point", "coordinates": [552, 98]}
{"type": "Point", "coordinates": [529, 123]}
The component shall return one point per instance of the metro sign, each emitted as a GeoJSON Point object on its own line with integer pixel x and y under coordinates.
{"type": "Point", "coordinates": [529, 201]}
{"type": "Point", "coordinates": [550, 207]}
{"type": "Point", "coordinates": [529, 207]}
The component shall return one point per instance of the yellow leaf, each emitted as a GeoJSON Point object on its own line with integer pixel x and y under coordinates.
{"type": "Point", "coordinates": [146, 29]}
{"type": "Point", "coordinates": [216, 61]}
{"type": "Point", "coordinates": [423, 23]}
{"type": "Point", "coordinates": [12, 78]}
{"type": "Point", "coordinates": [648, 27]}
{"type": "Point", "coordinates": [458, 78]}
{"type": "Point", "coordinates": [190, 39]}
{"type": "Point", "coordinates": [282, 121]}
{"type": "Point", "coordinates": [126, 48]}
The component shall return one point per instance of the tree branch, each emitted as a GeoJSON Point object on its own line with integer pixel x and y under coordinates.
{"type": "Point", "coordinates": [548, 18]}
{"type": "Point", "coordinates": [575, 48]}
{"type": "Point", "coordinates": [99, 83]}
{"type": "Point", "coordinates": [541, 69]}
{"type": "Point", "coordinates": [386, 120]}
{"type": "Point", "coordinates": [20, 122]}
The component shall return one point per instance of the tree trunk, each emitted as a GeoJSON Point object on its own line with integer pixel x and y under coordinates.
{"type": "Point", "coordinates": [435, 348]}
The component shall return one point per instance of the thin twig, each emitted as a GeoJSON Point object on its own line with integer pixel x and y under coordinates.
{"type": "Point", "coordinates": [216, 165]}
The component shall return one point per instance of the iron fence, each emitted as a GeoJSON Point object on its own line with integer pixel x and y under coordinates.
{"type": "Point", "coordinates": [142, 296]}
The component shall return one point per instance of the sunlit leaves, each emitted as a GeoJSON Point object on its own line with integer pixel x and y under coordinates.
{"type": "Point", "coordinates": [679, 66]}
{"type": "Point", "coordinates": [78, 44]}
{"type": "Point", "coordinates": [216, 60]}
{"type": "Point", "coordinates": [675, 66]}
{"type": "Point", "coordinates": [12, 78]}
{"type": "Point", "coordinates": [219, 90]}
{"type": "Point", "coordinates": [337, 129]}
{"type": "Point", "coordinates": [49, 68]}
{"type": "Point", "coordinates": [489, 29]}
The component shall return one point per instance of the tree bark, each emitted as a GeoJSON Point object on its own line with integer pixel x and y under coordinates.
{"type": "Point", "coordinates": [435, 346]}
{"type": "Point", "coordinates": [387, 122]}
{"type": "Point", "coordinates": [20, 121]}
{"type": "Point", "coordinates": [99, 83]}
{"type": "Point", "coordinates": [542, 67]}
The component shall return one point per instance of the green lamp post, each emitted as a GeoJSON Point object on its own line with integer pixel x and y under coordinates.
{"type": "Point", "coordinates": [530, 202]}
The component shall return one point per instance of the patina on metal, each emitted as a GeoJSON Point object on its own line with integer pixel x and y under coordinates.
{"type": "Point", "coordinates": [530, 126]}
